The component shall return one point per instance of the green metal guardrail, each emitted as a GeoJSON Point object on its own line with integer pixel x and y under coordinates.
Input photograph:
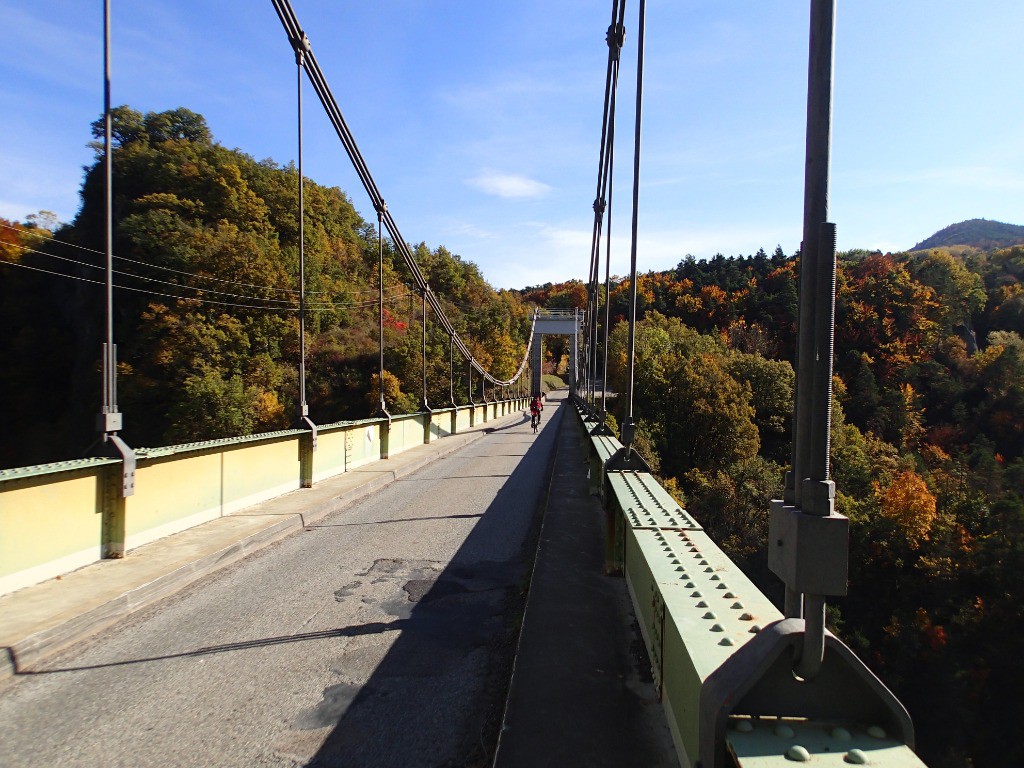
{"type": "Point", "coordinates": [722, 655]}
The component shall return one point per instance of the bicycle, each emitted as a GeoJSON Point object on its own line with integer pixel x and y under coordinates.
{"type": "Point", "coordinates": [535, 421]}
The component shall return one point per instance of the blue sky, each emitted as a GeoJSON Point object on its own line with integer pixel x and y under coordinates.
{"type": "Point", "coordinates": [481, 120]}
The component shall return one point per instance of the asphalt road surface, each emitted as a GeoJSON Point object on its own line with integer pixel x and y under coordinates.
{"type": "Point", "coordinates": [381, 636]}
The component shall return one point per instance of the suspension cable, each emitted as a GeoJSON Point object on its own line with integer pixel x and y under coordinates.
{"type": "Point", "coordinates": [380, 315]}
{"type": "Point", "coordinates": [298, 39]}
{"type": "Point", "coordinates": [303, 405]}
{"type": "Point", "coordinates": [629, 426]}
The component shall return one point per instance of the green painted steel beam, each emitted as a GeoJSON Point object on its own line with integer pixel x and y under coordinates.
{"type": "Point", "coordinates": [781, 743]}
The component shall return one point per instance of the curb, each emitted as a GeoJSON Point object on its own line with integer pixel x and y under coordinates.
{"type": "Point", "coordinates": [36, 647]}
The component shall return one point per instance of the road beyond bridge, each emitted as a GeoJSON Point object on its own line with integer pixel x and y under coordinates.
{"type": "Point", "coordinates": [381, 635]}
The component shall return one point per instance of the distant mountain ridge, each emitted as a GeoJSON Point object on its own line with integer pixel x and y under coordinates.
{"type": "Point", "coordinates": [979, 233]}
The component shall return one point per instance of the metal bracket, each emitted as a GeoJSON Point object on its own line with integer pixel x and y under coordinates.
{"type": "Point", "coordinates": [758, 679]}
{"type": "Point", "coordinates": [109, 422]}
{"type": "Point", "coordinates": [118, 448]}
{"type": "Point", "coordinates": [626, 458]}
{"type": "Point", "coordinates": [616, 36]}
{"type": "Point", "coordinates": [305, 421]}
{"type": "Point", "coordinates": [810, 553]}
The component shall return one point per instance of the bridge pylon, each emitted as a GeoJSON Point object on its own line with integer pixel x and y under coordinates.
{"type": "Point", "coordinates": [555, 322]}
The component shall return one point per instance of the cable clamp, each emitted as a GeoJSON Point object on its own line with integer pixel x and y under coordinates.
{"type": "Point", "coordinates": [616, 36]}
{"type": "Point", "coordinates": [599, 206]}
{"type": "Point", "coordinates": [380, 207]}
{"type": "Point", "coordinates": [301, 47]}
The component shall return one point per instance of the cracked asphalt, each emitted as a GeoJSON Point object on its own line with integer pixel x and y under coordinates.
{"type": "Point", "coordinates": [381, 636]}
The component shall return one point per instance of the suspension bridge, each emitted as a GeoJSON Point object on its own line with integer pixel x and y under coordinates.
{"type": "Point", "coordinates": [439, 588]}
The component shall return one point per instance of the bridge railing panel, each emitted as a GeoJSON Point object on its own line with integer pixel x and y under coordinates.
{"type": "Point", "coordinates": [463, 419]}
{"type": "Point", "coordinates": [48, 521]}
{"type": "Point", "coordinates": [440, 423]}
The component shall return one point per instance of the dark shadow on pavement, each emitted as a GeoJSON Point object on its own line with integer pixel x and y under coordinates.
{"type": "Point", "coordinates": [390, 522]}
{"type": "Point", "coordinates": [372, 628]}
{"type": "Point", "coordinates": [437, 697]}
{"type": "Point", "coordinates": [515, 425]}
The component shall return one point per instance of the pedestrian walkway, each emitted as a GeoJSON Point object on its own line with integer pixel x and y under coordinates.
{"type": "Point", "coordinates": [40, 620]}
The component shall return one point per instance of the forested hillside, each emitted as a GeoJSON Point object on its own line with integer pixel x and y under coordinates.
{"type": "Point", "coordinates": [206, 240]}
{"type": "Point", "coordinates": [927, 456]}
{"type": "Point", "coordinates": [975, 233]}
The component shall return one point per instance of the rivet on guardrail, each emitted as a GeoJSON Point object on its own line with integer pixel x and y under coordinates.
{"type": "Point", "coordinates": [703, 562]}
{"type": "Point", "coordinates": [696, 594]}
{"type": "Point", "coordinates": [737, 605]}
{"type": "Point", "coordinates": [726, 641]}
{"type": "Point", "coordinates": [702, 604]}
{"type": "Point", "coordinates": [783, 731]}
{"type": "Point", "coordinates": [744, 726]}
{"type": "Point", "coordinates": [709, 615]}
{"type": "Point", "coordinates": [841, 734]}
{"type": "Point", "coordinates": [798, 754]}
{"type": "Point", "coordinates": [875, 732]}
{"type": "Point", "coordinates": [723, 585]}
{"type": "Point", "coordinates": [856, 757]}
{"type": "Point", "coordinates": [688, 585]}
{"type": "Point", "coordinates": [747, 617]}
{"type": "Point", "coordinates": [675, 561]}
{"type": "Point", "coordinates": [717, 628]}
{"type": "Point", "coordinates": [729, 596]}
{"type": "Point", "coordinates": [709, 569]}
{"type": "Point", "coordinates": [755, 629]}
{"type": "Point", "coordinates": [714, 577]}
{"type": "Point", "coordinates": [679, 569]}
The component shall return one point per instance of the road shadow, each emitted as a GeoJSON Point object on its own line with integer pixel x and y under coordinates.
{"type": "Point", "coordinates": [437, 697]}
{"type": "Point", "coordinates": [371, 628]}
{"type": "Point", "coordinates": [514, 425]}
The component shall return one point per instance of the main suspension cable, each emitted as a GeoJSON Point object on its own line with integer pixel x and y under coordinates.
{"type": "Point", "coordinates": [299, 41]}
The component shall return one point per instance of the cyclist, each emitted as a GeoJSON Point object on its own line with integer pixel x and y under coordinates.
{"type": "Point", "coordinates": [536, 406]}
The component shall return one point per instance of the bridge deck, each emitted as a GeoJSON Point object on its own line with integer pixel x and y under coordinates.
{"type": "Point", "coordinates": [379, 635]}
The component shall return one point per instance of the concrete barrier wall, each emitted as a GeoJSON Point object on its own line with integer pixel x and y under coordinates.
{"type": "Point", "coordinates": [331, 455]}
{"type": "Point", "coordinates": [50, 522]}
{"type": "Point", "coordinates": [192, 486]}
{"type": "Point", "coordinates": [406, 432]}
{"type": "Point", "coordinates": [440, 424]}
{"type": "Point", "coordinates": [51, 516]}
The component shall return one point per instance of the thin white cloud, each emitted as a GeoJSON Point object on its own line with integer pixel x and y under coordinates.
{"type": "Point", "coordinates": [508, 185]}
{"type": "Point", "coordinates": [976, 177]}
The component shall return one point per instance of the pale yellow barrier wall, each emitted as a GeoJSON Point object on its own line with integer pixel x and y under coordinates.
{"type": "Point", "coordinates": [171, 494]}
{"type": "Point", "coordinates": [49, 524]}
{"type": "Point", "coordinates": [50, 516]}
{"type": "Point", "coordinates": [329, 459]}
{"type": "Point", "coordinates": [440, 424]}
{"type": "Point", "coordinates": [362, 444]}
{"type": "Point", "coordinates": [177, 492]}
{"type": "Point", "coordinates": [406, 433]}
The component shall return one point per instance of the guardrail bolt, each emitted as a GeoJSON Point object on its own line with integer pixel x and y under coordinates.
{"type": "Point", "coordinates": [798, 754]}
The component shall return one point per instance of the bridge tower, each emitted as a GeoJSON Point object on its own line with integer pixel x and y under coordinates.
{"type": "Point", "coordinates": [555, 322]}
